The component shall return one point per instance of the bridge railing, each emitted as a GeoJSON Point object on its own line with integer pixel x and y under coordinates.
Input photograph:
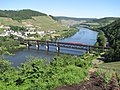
{"type": "Point", "coordinates": [73, 45]}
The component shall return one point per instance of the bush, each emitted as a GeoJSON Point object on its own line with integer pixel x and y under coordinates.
{"type": "Point", "coordinates": [40, 74]}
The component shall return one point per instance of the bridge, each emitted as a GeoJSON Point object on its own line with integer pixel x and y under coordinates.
{"type": "Point", "coordinates": [58, 45]}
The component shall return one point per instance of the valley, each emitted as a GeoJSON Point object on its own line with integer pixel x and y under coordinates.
{"type": "Point", "coordinates": [28, 68]}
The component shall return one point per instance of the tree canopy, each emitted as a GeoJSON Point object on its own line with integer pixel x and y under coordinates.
{"type": "Point", "coordinates": [112, 32]}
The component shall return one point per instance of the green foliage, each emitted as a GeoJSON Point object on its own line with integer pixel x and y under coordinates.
{"type": "Point", "coordinates": [39, 74]}
{"type": "Point", "coordinates": [8, 44]}
{"type": "Point", "coordinates": [101, 39]}
{"type": "Point", "coordinates": [53, 17]}
{"type": "Point", "coordinates": [105, 21]}
{"type": "Point", "coordinates": [68, 33]}
{"type": "Point", "coordinates": [21, 14]}
{"type": "Point", "coordinates": [7, 75]}
{"type": "Point", "coordinates": [95, 23]}
{"type": "Point", "coordinates": [105, 74]}
{"type": "Point", "coordinates": [17, 28]}
{"type": "Point", "coordinates": [4, 66]}
{"type": "Point", "coordinates": [112, 32]}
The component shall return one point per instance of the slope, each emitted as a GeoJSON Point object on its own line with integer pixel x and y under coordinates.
{"type": "Point", "coordinates": [112, 32]}
{"type": "Point", "coordinates": [29, 18]}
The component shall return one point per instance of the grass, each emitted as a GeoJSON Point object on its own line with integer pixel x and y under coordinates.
{"type": "Point", "coordinates": [111, 66]}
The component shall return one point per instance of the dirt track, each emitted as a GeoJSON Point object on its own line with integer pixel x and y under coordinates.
{"type": "Point", "coordinates": [95, 83]}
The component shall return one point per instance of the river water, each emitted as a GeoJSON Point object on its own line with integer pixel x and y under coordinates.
{"type": "Point", "coordinates": [84, 35]}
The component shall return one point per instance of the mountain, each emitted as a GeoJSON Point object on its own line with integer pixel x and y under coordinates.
{"type": "Point", "coordinates": [30, 18]}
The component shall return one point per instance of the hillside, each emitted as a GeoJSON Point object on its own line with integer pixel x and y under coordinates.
{"type": "Point", "coordinates": [29, 18]}
{"type": "Point", "coordinates": [73, 21]}
{"type": "Point", "coordinates": [101, 22]}
{"type": "Point", "coordinates": [72, 18]}
{"type": "Point", "coordinates": [44, 23]}
{"type": "Point", "coordinates": [112, 32]}
{"type": "Point", "coordinates": [105, 20]}
{"type": "Point", "coordinates": [93, 22]}
{"type": "Point", "coordinates": [21, 14]}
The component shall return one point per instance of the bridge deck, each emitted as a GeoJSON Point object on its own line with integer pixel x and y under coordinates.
{"type": "Point", "coordinates": [68, 43]}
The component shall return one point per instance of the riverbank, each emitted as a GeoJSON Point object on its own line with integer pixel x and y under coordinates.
{"type": "Point", "coordinates": [61, 34]}
{"type": "Point", "coordinates": [16, 48]}
{"type": "Point", "coordinates": [9, 45]}
{"type": "Point", "coordinates": [101, 39]}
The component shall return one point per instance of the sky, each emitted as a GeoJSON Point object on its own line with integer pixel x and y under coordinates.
{"type": "Point", "coordinates": [69, 8]}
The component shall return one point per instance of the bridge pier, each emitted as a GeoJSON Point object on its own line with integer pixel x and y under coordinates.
{"type": "Point", "coordinates": [58, 48]}
{"type": "Point", "coordinates": [103, 49]}
{"type": "Point", "coordinates": [88, 49]}
{"type": "Point", "coordinates": [37, 45]}
{"type": "Point", "coordinates": [47, 46]}
{"type": "Point", "coordinates": [28, 44]}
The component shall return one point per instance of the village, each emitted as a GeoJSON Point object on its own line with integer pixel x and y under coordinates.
{"type": "Point", "coordinates": [30, 32]}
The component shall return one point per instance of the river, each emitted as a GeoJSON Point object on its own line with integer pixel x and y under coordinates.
{"type": "Point", "coordinates": [84, 35]}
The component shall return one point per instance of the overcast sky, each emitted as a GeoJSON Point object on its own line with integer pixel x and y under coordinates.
{"type": "Point", "coordinates": [71, 8]}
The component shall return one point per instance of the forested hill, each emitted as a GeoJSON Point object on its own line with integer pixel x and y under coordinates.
{"type": "Point", "coordinates": [105, 21]}
{"type": "Point", "coordinates": [112, 32]}
{"type": "Point", "coordinates": [21, 14]}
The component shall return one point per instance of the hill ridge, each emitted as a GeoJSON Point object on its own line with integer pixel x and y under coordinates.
{"type": "Point", "coordinates": [20, 14]}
